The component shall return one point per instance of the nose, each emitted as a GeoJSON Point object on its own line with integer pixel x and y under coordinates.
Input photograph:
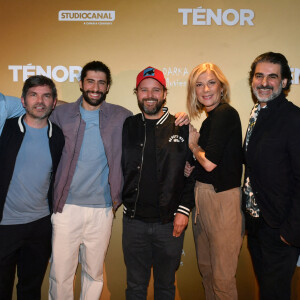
{"type": "Point", "coordinates": [206, 88]}
{"type": "Point", "coordinates": [264, 81]}
{"type": "Point", "coordinates": [39, 99]}
{"type": "Point", "coordinates": [95, 87]}
{"type": "Point", "coordinates": [149, 94]}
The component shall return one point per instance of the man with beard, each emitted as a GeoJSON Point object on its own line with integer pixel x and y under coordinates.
{"type": "Point", "coordinates": [271, 192]}
{"type": "Point", "coordinates": [88, 184]}
{"type": "Point", "coordinates": [30, 150]}
{"type": "Point", "coordinates": [157, 197]}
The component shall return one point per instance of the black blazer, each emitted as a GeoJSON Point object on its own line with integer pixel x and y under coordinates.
{"type": "Point", "coordinates": [272, 162]}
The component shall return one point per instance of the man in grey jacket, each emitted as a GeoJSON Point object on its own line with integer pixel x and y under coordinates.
{"type": "Point", "coordinates": [88, 183]}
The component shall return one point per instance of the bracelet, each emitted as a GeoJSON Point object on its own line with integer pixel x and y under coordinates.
{"type": "Point", "coordinates": [197, 147]}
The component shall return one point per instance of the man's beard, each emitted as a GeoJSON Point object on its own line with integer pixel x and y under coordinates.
{"type": "Point", "coordinates": [271, 97]}
{"type": "Point", "coordinates": [93, 102]}
{"type": "Point", "coordinates": [155, 109]}
{"type": "Point", "coordinates": [44, 115]}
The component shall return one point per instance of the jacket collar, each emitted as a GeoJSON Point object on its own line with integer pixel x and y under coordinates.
{"type": "Point", "coordinates": [276, 102]}
{"type": "Point", "coordinates": [163, 118]}
{"type": "Point", "coordinates": [22, 126]}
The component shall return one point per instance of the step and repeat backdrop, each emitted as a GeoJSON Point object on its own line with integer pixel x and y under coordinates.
{"type": "Point", "coordinates": [56, 38]}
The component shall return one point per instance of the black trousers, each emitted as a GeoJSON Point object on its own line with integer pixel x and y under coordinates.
{"type": "Point", "coordinates": [274, 262]}
{"type": "Point", "coordinates": [26, 247]}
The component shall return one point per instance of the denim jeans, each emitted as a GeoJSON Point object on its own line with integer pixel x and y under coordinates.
{"type": "Point", "coordinates": [146, 245]}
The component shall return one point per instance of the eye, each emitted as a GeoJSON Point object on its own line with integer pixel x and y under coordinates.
{"type": "Point", "coordinates": [258, 76]}
{"type": "Point", "coordinates": [199, 84]}
{"type": "Point", "coordinates": [273, 76]}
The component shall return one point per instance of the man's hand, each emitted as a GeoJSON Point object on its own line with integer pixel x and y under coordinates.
{"type": "Point", "coordinates": [188, 169]}
{"type": "Point", "coordinates": [182, 119]}
{"type": "Point", "coordinates": [180, 222]}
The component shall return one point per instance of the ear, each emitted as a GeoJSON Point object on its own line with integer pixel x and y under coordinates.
{"type": "Point", "coordinates": [165, 94]}
{"type": "Point", "coordinates": [107, 89]}
{"type": "Point", "coordinates": [80, 84]}
{"type": "Point", "coordinates": [54, 103]}
{"type": "Point", "coordinates": [284, 82]}
{"type": "Point", "coordinates": [23, 101]}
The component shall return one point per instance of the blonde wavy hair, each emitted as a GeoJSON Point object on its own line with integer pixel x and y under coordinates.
{"type": "Point", "coordinates": [194, 107]}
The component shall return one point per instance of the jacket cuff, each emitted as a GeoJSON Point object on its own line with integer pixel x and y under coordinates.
{"type": "Point", "coordinates": [183, 210]}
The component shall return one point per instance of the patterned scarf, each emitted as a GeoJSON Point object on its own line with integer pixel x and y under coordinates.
{"type": "Point", "coordinates": [251, 205]}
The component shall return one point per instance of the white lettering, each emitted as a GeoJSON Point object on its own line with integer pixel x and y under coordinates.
{"type": "Point", "coordinates": [74, 72]}
{"type": "Point", "coordinates": [86, 15]}
{"type": "Point", "coordinates": [64, 71]}
{"type": "Point", "coordinates": [58, 73]}
{"type": "Point", "coordinates": [229, 17]}
{"type": "Point", "coordinates": [15, 70]}
{"type": "Point", "coordinates": [295, 75]}
{"type": "Point", "coordinates": [246, 15]}
{"type": "Point", "coordinates": [41, 71]}
{"type": "Point", "coordinates": [28, 71]}
{"type": "Point", "coordinates": [199, 14]}
{"type": "Point", "coordinates": [235, 17]}
{"type": "Point", "coordinates": [217, 18]}
{"type": "Point", "coordinates": [185, 12]}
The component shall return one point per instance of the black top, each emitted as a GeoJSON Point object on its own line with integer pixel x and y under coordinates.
{"type": "Point", "coordinates": [147, 208]}
{"type": "Point", "coordinates": [221, 139]}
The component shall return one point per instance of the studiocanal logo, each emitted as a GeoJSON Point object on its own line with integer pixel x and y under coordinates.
{"type": "Point", "coordinates": [88, 17]}
{"type": "Point", "coordinates": [206, 16]}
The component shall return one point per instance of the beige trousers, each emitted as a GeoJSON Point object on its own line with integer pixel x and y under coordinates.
{"type": "Point", "coordinates": [84, 233]}
{"type": "Point", "coordinates": [218, 233]}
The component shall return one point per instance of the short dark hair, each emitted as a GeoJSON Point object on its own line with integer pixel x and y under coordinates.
{"type": "Point", "coordinates": [274, 58]}
{"type": "Point", "coordinates": [38, 80]}
{"type": "Point", "coordinates": [97, 66]}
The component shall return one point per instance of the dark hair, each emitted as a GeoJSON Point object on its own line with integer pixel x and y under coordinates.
{"type": "Point", "coordinates": [39, 80]}
{"type": "Point", "coordinates": [96, 66]}
{"type": "Point", "coordinates": [274, 58]}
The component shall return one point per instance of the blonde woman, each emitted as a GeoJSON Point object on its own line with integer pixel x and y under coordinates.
{"type": "Point", "coordinates": [217, 150]}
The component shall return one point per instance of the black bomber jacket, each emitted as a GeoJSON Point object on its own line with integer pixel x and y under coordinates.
{"type": "Point", "coordinates": [175, 192]}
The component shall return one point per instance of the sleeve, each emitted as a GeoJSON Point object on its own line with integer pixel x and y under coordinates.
{"type": "Point", "coordinates": [223, 123]}
{"type": "Point", "coordinates": [10, 107]}
{"type": "Point", "coordinates": [187, 201]}
{"type": "Point", "coordinates": [290, 228]}
{"type": "Point", "coordinates": [14, 107]}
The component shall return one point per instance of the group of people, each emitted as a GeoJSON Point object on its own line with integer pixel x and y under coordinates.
{"type": "Point", "coordinates": [65, 171]}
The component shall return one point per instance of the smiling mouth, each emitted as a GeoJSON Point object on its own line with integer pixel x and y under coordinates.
{"type": "Point", "coordinates": [207, 97]}
{"type": "Point", "coordinates": [40, 108]}
{"type": "Point", "coordinates": [94, 95]}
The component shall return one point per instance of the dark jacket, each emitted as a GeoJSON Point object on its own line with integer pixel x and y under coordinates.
{"type": "Point", "coordinates": [10, 143]}
{"type": "Point", "coordinates": [175, 192]}
{"type": "Point", "coordinates": [272, 162]}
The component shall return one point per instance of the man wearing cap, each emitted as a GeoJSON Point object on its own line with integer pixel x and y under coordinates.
{"type": "Point", "coordinates": [157, 197]}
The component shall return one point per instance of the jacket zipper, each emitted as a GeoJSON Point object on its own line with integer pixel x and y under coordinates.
{"type": "Point", "coordinates": [138, 188]}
